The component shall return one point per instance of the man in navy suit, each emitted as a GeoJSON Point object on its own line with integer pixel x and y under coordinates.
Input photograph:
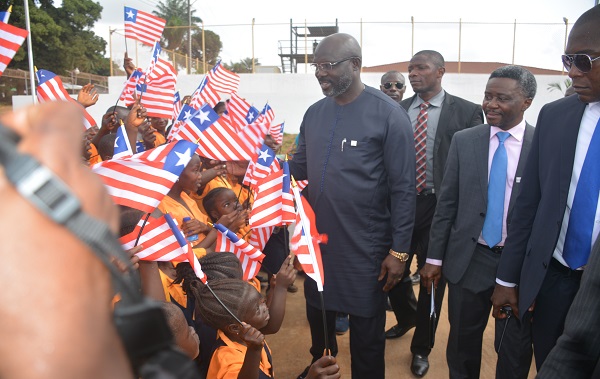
{"type": "Point", "coordinates": [556, 218]}
{"type": "Point", "coordinates": [470, 222]}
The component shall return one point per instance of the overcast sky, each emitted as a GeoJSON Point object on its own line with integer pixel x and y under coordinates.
{"type": "Point", "coordinates": [386, 29]}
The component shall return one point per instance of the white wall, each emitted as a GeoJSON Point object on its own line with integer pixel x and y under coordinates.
{"type": "Point", "coordinates": [290, 94]}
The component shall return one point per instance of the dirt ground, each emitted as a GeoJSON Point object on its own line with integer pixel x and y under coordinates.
{"type": "Point", "coordinates": [290, 346]}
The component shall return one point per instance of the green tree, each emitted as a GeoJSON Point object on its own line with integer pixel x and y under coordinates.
{"type": "Point", "coordinates": [559, 86]}
{"type": "Point", "coordinates": [177, 15]}
{"type": "Point", "coordinates": [212, 43]}
{"type": "Point", "coordinates": [62, 37]}
{"type": "Point", "coordinates": [243, 66]}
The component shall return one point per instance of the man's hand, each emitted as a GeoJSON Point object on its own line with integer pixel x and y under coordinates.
{"type": "Point", "coordinates": [87, 95]}
{"type": "Point", "coordinates": [504, 296]}
{"type": "Point", "coordinates": [394, 270]}
{"type": "Point", "coordinates": [430, 274]}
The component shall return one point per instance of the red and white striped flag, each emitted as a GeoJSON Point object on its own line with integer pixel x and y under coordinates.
{"type": "Point", "coordinates": [276, 131]}
{"type": "Point", "coordinates": [266, 162]}
{"type": "Point", "coordinates": [158, 240]}
{"type": "Point", "coordinates": [224, 80]}
{"type": "Point", "coordinates": [176, 106]}
{"type": "Point", "coordinates": [250, 257]}
{"type": "Point", "coordinates": [260, 236]}
{"type": "Point", "coordinates": [274, 203]}
{"type": "Point", "coordinates": [305, 241]}
{"type": "Point", "coordinates": [142, 180]}
{"type": "Point", "coordinates": [143, 26]}
{"type": "Point", "coordinates": [158, 88]}
{"type": "Point", "coordinates": [204, 94]}
{"type": "Point", "coordinates": [50, 88]}
{"type": "Point", "coordinates": [11, 39]}
{"type": "Point", "coordinates": [240, 112]}
{"type": "Point", "coordinates": [130, 85]}
{"type": "Point", "coordinates": [269, 113]}
{"type": "Point", "coordinates": [187, 247]}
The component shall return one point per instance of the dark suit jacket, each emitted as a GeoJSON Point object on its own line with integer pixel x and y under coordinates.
{"type": "Point", "coordinates": [462, 201]}
{"type": "Point", "coordinates": [457, 114]}
{"type": "Point", "coordinates": [540, 206]}
{"type": "Point", "coordinates": [577, 351]}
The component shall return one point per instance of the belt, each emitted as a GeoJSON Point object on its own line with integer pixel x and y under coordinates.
{"type": "Point", "coordinates": [564, 269]}
{"type": "Point", "coordinates": [427, 192]}
{"type": "Point", "coordinates": [495, 249]}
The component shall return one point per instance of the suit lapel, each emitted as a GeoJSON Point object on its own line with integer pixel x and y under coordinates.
{"type": "Point", "coordinates": [445, 117]}
{"type": "Point", "coordinates": [525, 147]}
{"type": "Point", "coordinates": [481, 146]}
{"type": "Point", "coordinates": [569, 124]}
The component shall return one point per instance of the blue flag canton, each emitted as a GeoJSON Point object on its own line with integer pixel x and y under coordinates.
{"type": "Point", "coordinates": [130, 14]}
{"type": "Point", "coordinates": [286, 177]}
{"type": "Point", "coordinates": [156, 51]}
{"type": "Point", "coordinates": [186, 113]}
{"type": "Point", "coordinates": [216, 67]}
{"type": "Point", "coordinates": [252, 115]}
{"type": "Point", "coordinates": [141, 87]}
{"type": "Point", "coordinates": [179, 156]}
{"type": "Point", "coordinates": [44, 75]}
{"type": "Point", "coordinates": [176, 98]}
{"type": "Point", "coordinates": [205, 117]}
{"type": "Point", "coordinates": [228, 233]}
{"type": "Point", "coordinates": [120, 143]}
{"type": "Point", "coordinates": [266, 156]}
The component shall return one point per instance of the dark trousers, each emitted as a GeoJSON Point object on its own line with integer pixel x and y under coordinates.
{"type": "Point", "coordinates": [469, 309]}
{"type": "Point", "coordinates": [367, 341]}
{"type": "Point", "coordinates": [552, 303]}
{"type": "Point", "coordinates": [407, 309]}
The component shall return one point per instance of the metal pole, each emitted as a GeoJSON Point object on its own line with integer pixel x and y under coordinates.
{"type": "Point", "coordinates": [305, 47]}
{"type": "Point", "coordinates": [203, 51]}
{"type": "Point", "coordinates": [412, 46]}
{"type": "Point", "coordinates": [110, 32]}
{"type": "Point", "coordinates": [459, 41]}
{"type": "Point", "coordinates": [253, 45]}
{"type": "Point", "coordinates": [514, 41]}
{"type": "Point", "coordinates": [566, 21]}
{"type": "Point", "coordinates": [189, 37]}
{"type": "Point", "coordinates": [30, 53]}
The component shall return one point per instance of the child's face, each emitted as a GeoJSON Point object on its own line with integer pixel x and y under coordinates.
{"type": "Point", "coordinates": [257, 313]}
{"type": "Point", "coordinates": [226, 202]}
{"type": "Point", "coordinates": [191, 175]}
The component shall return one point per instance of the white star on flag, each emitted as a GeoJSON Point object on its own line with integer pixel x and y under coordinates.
{"type": "Point", "coordinates": [250, 116]}
{"type": "Point", "coordinates": [184, 158]}
{"type": "Point", "coordinates": [264, 155]}
{"type": "Point", "coordinates": [130, 14]}
{"type": "Point", "coordinates": [203, 116]}
{"type": "Point", "coordinates": [188, 114]}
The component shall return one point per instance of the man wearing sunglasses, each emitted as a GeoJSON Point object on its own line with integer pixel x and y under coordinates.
{"type": "Point", "coordinates": [393, 85]}
{"type": "Point", "coordinates": [556, 220]}
{"type": "Point", "coordinates": [356, 148]}
{"type": "Point", "coordinates": [435, 116]}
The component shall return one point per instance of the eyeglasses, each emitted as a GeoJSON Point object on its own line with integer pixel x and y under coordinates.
{"type": "Point", "coordinates": [389, 85]}
{"type": "Point", "coordinates": [328, 66]}
{"type": "Point", "coordinates": [583, 62]}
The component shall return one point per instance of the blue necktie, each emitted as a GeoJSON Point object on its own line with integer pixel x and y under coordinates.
{"type": "Point", "coordinates": [492, 226]}
{"type": "Point", "coordinates": [578, 241]}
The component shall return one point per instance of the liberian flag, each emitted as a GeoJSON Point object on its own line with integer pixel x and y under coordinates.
{"type": "Point", "coordinates": [4, 16]}
{"type": "Point", "coordinates": [184, 114]}
{"type": "Point", "coordinates": [276, 131]}
{"type": "Point", "coordinates": [11, 39]}
{"type": "Point", "coordinates": [184, 244]}
{"type": "Point", "coordinates": [224, 80]}
{"type": "Point", "coordinates": [50, 88]}
{"type": "Point", "coordinates": [204, 94]}
{"type": "Point", "coordinates": [129, 89]}
{"type": "Point", "coordinates": [250, 257]}
{"type": "Point", "coordinates": [260, 236]}
{"type": "Point", "coordinates": [122, 147]}
{"type": "Point", "coordinates": [269, 113]}
{"type": "Point", "coordinates": [305, 241]}
{"type": "Point", "coordinates": [176, 106]}
{"type": "Point", "coordinates": [265, 163]}
{"type": "Point", "coordinates": [274, 203]}
{"type": "Point", "coordinates": [142, 180]}
{"type": "Point", "coordinates": [143, 26]}
{"type": "Point", "coordinates": [158, 240]}
{"type": "Point", "coordinates": [240, 112]}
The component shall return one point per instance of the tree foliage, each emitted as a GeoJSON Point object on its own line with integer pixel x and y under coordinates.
{"type": "Point", "coordinates": [62, 37]}
{"type": "Point", "coordinates": [242, 67]}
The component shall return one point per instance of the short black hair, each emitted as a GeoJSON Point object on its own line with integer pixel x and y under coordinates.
{"type": "Point", "coordinates": [106, 146]}
{"type": "Point", "coordinates": [524, 78]}
{"type": "Point", "coordinates": [434, 56]}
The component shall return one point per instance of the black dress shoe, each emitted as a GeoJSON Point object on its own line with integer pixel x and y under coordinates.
{"type": "Point", "coordinates": [419, 365]}
{"type": "Point", "coordinates": [304, 373]}
{"type": "Point", "coordinates": [397, 331]}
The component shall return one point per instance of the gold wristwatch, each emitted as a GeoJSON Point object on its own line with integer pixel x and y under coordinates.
{"type": "Point", "coordinates": [403, 257]}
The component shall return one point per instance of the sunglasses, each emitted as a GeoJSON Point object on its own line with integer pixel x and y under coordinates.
{"type": "Point", "coordinates": [389, 85]}
{"type": "Point", "coordinates": [583, 62]}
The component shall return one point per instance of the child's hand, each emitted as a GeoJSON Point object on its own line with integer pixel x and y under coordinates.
{"type": "Point", "coordinates": [109, 121]}
{"type": "Point", "coordinates": [148, 135]}
{"type": "Point", "coordinates": [137, 114]}
{"type": "Point", "coordinates": [287, 273]}
{"type": "Point", "coordinates": [324, 368]}
{"type": "Point", "coordinates": [252, 337]}
{"type": "Point", "coordinates": [233, 221]}
{"type": "Point", "coordinates": [194, 226]}
{"type": "Point", "coordinates": [87, 95]}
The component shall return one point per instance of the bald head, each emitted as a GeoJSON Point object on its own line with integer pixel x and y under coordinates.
{"type": "Point", "coordinates": [338, 46]}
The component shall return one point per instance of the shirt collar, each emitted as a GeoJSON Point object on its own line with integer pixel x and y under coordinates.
{"type": "Point", "coordinates": [517, 132]}
{"type": "Point", "coordinates": [435, 101]}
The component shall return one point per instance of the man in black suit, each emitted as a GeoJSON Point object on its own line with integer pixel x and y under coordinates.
{"type": "Point", "coordinates": [556, 214]}
{"type": "Point", "coordinates": [442, 115]}
{"type": "Point", "coordinates": [470, 223]}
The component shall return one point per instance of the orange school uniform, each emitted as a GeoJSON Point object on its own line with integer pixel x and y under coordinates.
{"type": "Point", "coordinates": [228, 358]}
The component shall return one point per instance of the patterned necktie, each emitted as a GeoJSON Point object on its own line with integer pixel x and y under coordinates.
{"type": "Point", "coordinates": [421, 146]}
{"type": "Point", "coordinates": [578, 240]}
{"type": "Point", "coordinates": [492, 226]}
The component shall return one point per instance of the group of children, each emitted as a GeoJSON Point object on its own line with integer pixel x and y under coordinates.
{"type": "Point", "coordinates": [221, 324]}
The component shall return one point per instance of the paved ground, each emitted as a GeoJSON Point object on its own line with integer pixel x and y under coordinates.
{"type": "Point", "coordinates": [290, 346]}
